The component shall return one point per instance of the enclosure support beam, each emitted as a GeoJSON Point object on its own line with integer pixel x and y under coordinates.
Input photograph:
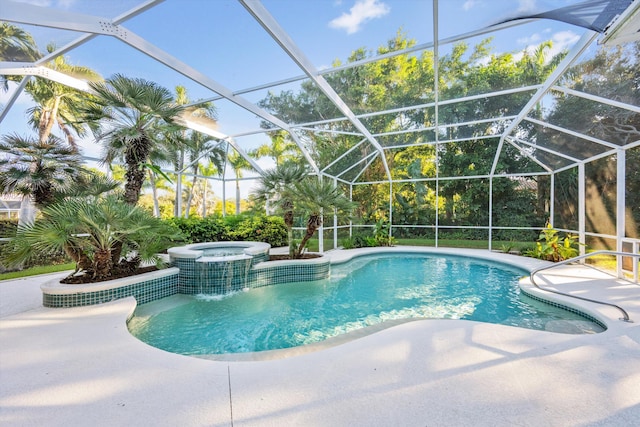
{"type": "Point", "coordinates": [271, 26]}
{"type": "Point", "coordinates": [14, 97]}
{"type": "Point", "coordinates": [582, 208]}
{"type": "Point", "coordinates": [335, 220]}
{"type": "Point", "coordinates": [350, 218]}
{"type": "Point", "coordinates": [436, 89]}
{"type": "Point", "coordinates": [577, 50]}
{"type": "Point", "coordinates": [490, 211]}
{"type": "Point", "coordinates": [321, 228]}
{"type": "Point", "coordinates": [390, 208]}
{"type": "Point", "coordinates": [552, 197]}
{"type": "Point", "coordinates": [621, 203]}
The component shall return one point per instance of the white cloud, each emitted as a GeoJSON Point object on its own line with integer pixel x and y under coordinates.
{"type": "Point", "coordinates": [469, 4]}
{"type": "Point", "coordinates": [533, 38]}
{"type": "Point", "coordinates": [560, 41]}
{"type": "Point", "coordinates": [563, 40]}
{"type": "Point", "coordinates": [361, 12]}
{"type": "Point", "coordinates": [526, 6]}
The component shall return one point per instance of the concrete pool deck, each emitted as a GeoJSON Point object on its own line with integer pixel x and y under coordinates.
{"type": "Point", "coordinates": [80, 366]}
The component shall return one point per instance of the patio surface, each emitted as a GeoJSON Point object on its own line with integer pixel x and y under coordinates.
{"type": "Point", "coordinates": [81, 367]}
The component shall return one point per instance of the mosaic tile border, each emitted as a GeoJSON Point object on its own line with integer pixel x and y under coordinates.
{"type": "Point", "coordinates": [228, 276]}
{"type": "Point", "coordinates": [565, 307]}
{"type": "Point", "coordinates": [185, 278]}
{"type": "Point", "coordinates": [144, 288]}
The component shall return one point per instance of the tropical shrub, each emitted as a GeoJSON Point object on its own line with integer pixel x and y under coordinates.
{"type": "Point", "coordinates": [356, 241]}
{"type": "Point", "coordinates": [381, 234]}
{"type": "Point", "coordinates": [268, 229]}
{"type": "Point", "coordinates": [298, 194]}
{"type": "Point", "coordinates": [8, 227]}
{"type": "Point", "coordinates": [106, 238]}
{"type": "Point", "coordinates": [551, 247]}
{"type": "Point", "coordinates": [196, 230]}
{"type": "Point", "coordinates": [380, 237]}
{"type": "Point", "coordinates": [215, 228]}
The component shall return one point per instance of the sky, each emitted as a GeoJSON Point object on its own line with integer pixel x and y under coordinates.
{"type": "Point", "coordinates": [220, 39]}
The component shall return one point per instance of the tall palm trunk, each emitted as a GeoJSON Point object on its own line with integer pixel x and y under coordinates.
{"type": "Point", "coordinates": [154, 193]}
{"type": "Point", "coordinates": [48, 119]}
{"type": "Point", "coordinates": [179, 164]}
{"type": "Point", "coordinates": [287, 207]}
{"type": "Point", "coordinates": [313, 223]}
{"type": "Point", "coordinates": [134, 158]}
{"type": "Point", "coordinates": [190, 197]}
{"type": "Point", "coordinates": [237, 196]}
{"type": "Point", "coordinates": [204, 198]}
{"type": "Point", "coordinates": [103, 264]}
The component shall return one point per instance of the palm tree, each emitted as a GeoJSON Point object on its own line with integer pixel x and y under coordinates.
{"type": "Point", "coordinates": [16, 45]}
{"type": "Point", "coordinates": [129, 116]}
{"type": "Point", "coordinates": [238, 164]}
{"type": "Point", "coordinates": [210, 169]}
{"type": "Point", "coordinates": [93, 233]}
{"type": "Point", "coordinates": [280, 150]}
{"type": "Point", "coordinates": [37, 169]}
{"type": "Point", "coordinates": [58, 103]}
{"type": "Point", "coordinates": [198, 148]}
{"type": "Point", "coordinates": [296, 192]}
{"type": "Point", "coordinates": [189, 146]}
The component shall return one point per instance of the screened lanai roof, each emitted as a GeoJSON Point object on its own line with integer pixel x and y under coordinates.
{"type": "Point", "coordinates": [240, 53]}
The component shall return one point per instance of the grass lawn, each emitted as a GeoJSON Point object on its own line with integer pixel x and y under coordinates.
{"type": "Point", "coordinates": [312, 246]}
{"type": "Point", "coordinates": [42, 269]}
{"type": "Point", "coordinates": [469, 244]}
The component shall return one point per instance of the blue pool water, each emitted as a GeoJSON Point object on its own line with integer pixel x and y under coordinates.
{"type": "Point", "coordinates": [224, 251]}
{"type": "Point", "coordinates": [363, 292]}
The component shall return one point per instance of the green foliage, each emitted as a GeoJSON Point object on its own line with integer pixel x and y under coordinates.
{"type": "Point", "coordinates": [196, 230]}
{"type": "Point", "coordinates": [8, 227]}
{"type": "Point", "coordinates": [39, 168]}
{"type": "Point", "coordinates": [380, 237]}
{"type": "Point", "coordinates": [215, 228]}
{"type": "Point", "coordinates": [268, 229]}
{"type": "Point", "coordinates": [404, 80]}
{"type": "Point", "coordinates": [551, 247]}
{"type": "Point", "coordinates": [105, 237]}
{"type": "Point", "coordinates": [300, 195]}
{"type": "Point", "coordinates": [381, 233]}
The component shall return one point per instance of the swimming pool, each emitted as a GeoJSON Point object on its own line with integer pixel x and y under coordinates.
{"type": "Point", "coordinates": [365, 291]}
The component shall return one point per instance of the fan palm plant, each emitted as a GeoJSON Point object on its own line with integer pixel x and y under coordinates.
{"type": "Point", "coordinates": [37, 169]}
{"type": "Point", "coordinates": [104, 238]}
{"type": "Point", "coordinates": [129, 116]}
{"type": "Point", "coordinates": [297, 193]}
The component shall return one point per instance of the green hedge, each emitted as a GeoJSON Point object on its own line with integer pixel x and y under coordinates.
{"type": "Point", "coordinates": [215, 228]}
{"type": "Point", "coordinates": [8, 227]}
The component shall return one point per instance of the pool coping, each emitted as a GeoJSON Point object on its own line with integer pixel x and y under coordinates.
{"type": "Point", "coordinates": [601, 314]}
{"type": "Point", "coordinates": [63, 365]}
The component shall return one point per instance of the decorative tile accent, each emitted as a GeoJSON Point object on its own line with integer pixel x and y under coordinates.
{"type": "Point", "coordinates": [221, 277]}
{"type": "Point", "coordinates": [145, 291]}
{"type": "Point", "coordinates": [195, 275]}
{"type": "Point", "coordinates": [565, 307]}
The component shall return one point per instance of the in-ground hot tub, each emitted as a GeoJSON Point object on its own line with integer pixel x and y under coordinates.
{"type": "Point", "coordinates": [216, 267]}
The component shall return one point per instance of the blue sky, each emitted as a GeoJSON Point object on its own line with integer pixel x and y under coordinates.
{"type": "Point", "coordinates": [220, 39]}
